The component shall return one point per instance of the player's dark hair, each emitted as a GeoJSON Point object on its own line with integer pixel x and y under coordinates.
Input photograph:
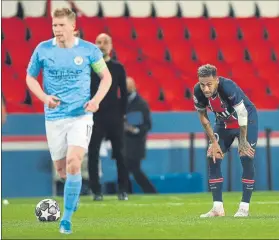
{"type": "Point", "coordinates": [207, 70]}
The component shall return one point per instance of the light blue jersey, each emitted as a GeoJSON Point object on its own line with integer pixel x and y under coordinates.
{"type": "Point", "coordinates": [66, 75]}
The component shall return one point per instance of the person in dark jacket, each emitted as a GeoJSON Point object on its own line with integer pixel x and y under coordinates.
{"type": "Point", "coordinates": [136, 126]}
{"type": "Point", "coordinates": [108, 122]}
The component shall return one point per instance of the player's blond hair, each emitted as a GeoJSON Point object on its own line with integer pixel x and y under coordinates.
{"type": "Point", "coordinates": [64, 12]}
{"type": "Point", "coordinates": [68, 13]}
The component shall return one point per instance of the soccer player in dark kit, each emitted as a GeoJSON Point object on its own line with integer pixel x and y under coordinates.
{"type": "Point", "coordinates": [236, 117]}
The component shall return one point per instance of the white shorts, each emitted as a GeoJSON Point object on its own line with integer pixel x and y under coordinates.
{"type": "Point", "coordinates": [62, 133]}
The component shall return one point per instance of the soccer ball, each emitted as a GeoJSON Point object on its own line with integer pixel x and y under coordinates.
{"type": "Point", "coordinates": [47, 210]}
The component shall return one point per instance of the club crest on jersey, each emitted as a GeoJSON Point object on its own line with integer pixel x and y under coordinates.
{"type": "Point", "coordinates": [78, 60]}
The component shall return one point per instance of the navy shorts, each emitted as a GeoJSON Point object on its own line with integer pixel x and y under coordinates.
{"type": "Point", "coordinates": [226, 137]}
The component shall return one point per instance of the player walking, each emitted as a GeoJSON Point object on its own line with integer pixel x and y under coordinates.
{"type": "Point", "coordinates": [66, 61]}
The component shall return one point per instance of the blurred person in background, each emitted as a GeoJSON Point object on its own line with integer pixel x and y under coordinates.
{"type": "Point", "coordinates": [136, 125]}
{"type": "Point", "coordinates": [108, 122]}
{"type": "Point", "coordinates": [236, 117]}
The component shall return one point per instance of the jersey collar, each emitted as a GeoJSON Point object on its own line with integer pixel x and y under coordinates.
{"type": "Point", "coordinates": [54, 42]}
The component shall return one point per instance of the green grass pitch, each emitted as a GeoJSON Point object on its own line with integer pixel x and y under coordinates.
{"type": "Point", "coordinates": [148, 216]}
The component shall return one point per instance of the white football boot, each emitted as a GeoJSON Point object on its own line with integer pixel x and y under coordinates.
{"type": "Point", "coordinates": [243, 210]}
{"type": "Point", "coordinates": [216, 211]}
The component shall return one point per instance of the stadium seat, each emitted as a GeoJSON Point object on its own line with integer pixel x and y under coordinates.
{"type": "Point", "coordinates": [139, 8]}
{"type": "Point", "coordinates": [35, 26]}
{"type": "Point", "coordinates": [192, 9]}
{"type": "Point", "coordinates": [198, 28]}
{"type": "Point", "coordinates": [232, 51]}
{"type": "Point", "coordinates": [172, 28]}
{"type": "Point", "coordinates": [87, 8]}
{"type": "Point", "coordinates": [112, 26]}
{"type": "Point", "coordinates": [91, 27]}
{"type": "Point", "coordinates": [13, 89]}
{"type": "Point", "coordinates": [126, 53]}
{"type": "Point", "coordinates": [20, 54]}
{"type": "Point", "coordinates": [154, 50]}
{"type": "Point", "coordinates": [113, 8]}
{"type": "Point", "coordinates": [251, 28]}
{"type": "Point", "coordinates": [225, 28]}
{"type": "Point", "coordinates": [260, 51]}
{"type": "Point", "coordinates": [271, 26]}
{"type": "Point", "coordinates": [243, 8]}
{"type": "Point", "coordinates": [207, 51]}
{"type": "Point", "coordinates": [159, 106]}
{"type": "Point", "coordinates": [181, 53]}
{"type": "Point", "coordinates": [145, 28]}
{"type": "Point", "coordinates": [14, 29]}
{"type": "Point", "coordinates": [165, 9]}
{"type": "Point", "coordinates": [221, 11]}
{"type": "Point", "coordinates": [268, 8]}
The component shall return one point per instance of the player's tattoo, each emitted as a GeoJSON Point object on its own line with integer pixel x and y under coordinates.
{"type": "Point", "coordinates": [244, 147]}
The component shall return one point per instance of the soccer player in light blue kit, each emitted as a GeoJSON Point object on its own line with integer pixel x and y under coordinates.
{"type": "Point", "coordinates": [66, 61]}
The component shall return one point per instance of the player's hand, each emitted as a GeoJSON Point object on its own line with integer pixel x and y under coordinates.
{"type": "Point", "coordinates": [52, 101]}
{"type": "Point", "coordinates": [245, 149]}
{"type": "Point", "coordinates": [215, 151]}
{"type": "Point", "coordinates": [91, 106]}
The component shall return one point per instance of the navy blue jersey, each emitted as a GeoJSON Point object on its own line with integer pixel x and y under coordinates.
{"type": "Point", "coordinates": [228, 95]}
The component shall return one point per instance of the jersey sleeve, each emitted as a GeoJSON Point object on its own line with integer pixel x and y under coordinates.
{"type": "Point", "coordinates": [96, 60]}
{"type": "Point", "coordinates": [200, 101]}
{"type": "Point", "coordinates": [233, 93]}
{"type": "Point", "coordinates": [35, 64]}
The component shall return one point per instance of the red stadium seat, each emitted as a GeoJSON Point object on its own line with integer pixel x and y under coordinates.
{"type": "Point", "coordinates": [225, 28]}
{"type": "Point", "coordinates": [198, 28]}
{"type": "Point", "coordinates": [207, 51]}
{"type": "Point", "coordinates": [118, 28]}
{"type": "Point", "coordinates": [35, 26]}
{"type": "Point", "coordinates": [20, 53]}
{"type": "Point", "coordinates": [260, 51]}
{"type": "Point", "coordinates": [172, 28]}
{"type": "Point", "coordinates": [251, 28]}
{"type": "Point", "coordinates": [126, 53]}
{"type": "Point", "coordinates": [14, 107]}
{"type": "Point", "coordinates": [271, 26]}
{"type": "Point", "coordinates": [145, 28]}
{"type": "Point", "coordinates": [159, 106]}
{"type": "Point", "coordinates": [14, 29]}
{"type": "Point", "coordinates": [13, 89]}
{"type": "Point", "coordinates": [233, 51]}
{"type": "Point", "coordinates": [181, 53]}
{"type": "Point", "coordinates": [91, 27]}
{"type": "Point", "coordinates": [154, 50]}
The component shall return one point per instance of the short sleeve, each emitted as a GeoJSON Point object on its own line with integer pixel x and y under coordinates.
{"type": "Point", "coordinates": [200, 101]}
{"type": "Point", "coordinates": [96, 60]}
{"type": "Point", "coordinates": [34, 65]}
{"type": "Point", "coordinates": [233, 92]}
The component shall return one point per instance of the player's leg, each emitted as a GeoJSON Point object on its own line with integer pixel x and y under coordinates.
{"type": "Point", "coordinates": [57, 143]}
{"type": "Point", "coordinates": [248, 167]}
{"type": "Point", "coordinates": [78, 138]}
{"type": "Point", "coordinates": [93, 159]}
{"type": "Point", "coordinates": [225, 138]}
{"type": "Point", "coordinates": [116, 135]}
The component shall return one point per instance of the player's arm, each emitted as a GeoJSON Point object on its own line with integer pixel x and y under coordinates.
{"type": "Point", "coordinates": [100, 67]}
{"type": "Point", "coordinates": [206, 125]}
{"type": "Point", "coordinates": [235, 98]}
{"type": "Point", "coordinates": [242, 114]}
{"type": "Point", "coordinates": [33, 71]}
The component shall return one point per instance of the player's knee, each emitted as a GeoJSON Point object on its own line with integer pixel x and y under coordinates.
{"type": "Point", "coordinates": [73, 164]}
{"type": "Point", "coordinates": [61, 172]}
